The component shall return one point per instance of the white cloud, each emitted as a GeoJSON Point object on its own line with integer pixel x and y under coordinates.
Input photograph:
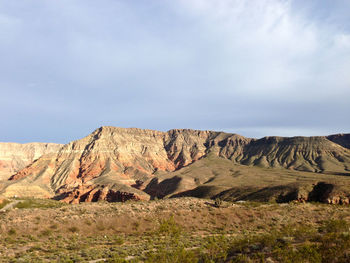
{"type": "Point", "coordinates": [183, 63]}
{"type": "Point", "coordinates": [342, 41]}
{"type": "Point", "coordinates": [271, 49]}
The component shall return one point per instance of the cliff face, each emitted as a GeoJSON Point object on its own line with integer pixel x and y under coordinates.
{"type": "Point", "coordinates": [15, 156]}
{"type": "Point", "coordinates": [120, 160]}
{"type": "Point", "coordinates": [113, 163]}
{"type": "Point", "coordinates": [186, 146]}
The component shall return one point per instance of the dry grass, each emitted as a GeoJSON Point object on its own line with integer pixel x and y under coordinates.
{"type": "Point", "coordinates": [112, 230]}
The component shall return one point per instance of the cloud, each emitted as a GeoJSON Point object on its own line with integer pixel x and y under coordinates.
{"type": "Point", "coordinates": [228, 65]}
{"type": "Point", "coordinates": [267, 47]}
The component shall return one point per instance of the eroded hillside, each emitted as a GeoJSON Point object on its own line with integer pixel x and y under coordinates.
{"type": "Point", "coordinates": [16, 156]}
{"type": "Point", "coordinates": [117, 164]}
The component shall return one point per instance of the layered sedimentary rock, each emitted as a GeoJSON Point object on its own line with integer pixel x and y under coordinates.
{"type": "Point", "coordinates": [186, 146]}
{"type": "Point", "coordinates": [115, 163]}
{"type": "Point", "coordinates": [314, 154]}
{"type": "Point", "coordinates": [113, 157]}
{"type": "Point", "coordinates": [15, 156]}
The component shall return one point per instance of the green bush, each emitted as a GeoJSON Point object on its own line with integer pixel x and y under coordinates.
{"type": "Point", "coordinates": [39, 203]}
{"type": "Point", "coordinates": [4, 203]}
{"type": "Point", "coordinates": [12, 232]}
{"type": "Point", "coordinates": [334, 226]}
{"type": "Point", "coordinates": [46, 232]}
{"type": "Point", "coordinates": [169, 227]}
{"type": "Point", "coordinates": [175, 255]}
{"type": "Point", "coordinates": [215, 249]}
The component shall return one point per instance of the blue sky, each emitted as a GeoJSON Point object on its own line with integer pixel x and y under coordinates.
{"type": "Point", "coordinates": [253, 67]}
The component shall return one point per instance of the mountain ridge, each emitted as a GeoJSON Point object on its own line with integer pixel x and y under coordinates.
{"type": "Point", "coordinates": [114, 163]}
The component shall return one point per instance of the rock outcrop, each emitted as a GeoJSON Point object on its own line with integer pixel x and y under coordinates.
{"type": "Point", "coordinates": [94, 193]}
{"type": "Point", "coordinates": [329, 193]}
{"type": "Point", "coordinates": [118, 163]}
{"type": "Point", "coordinates": [322, 192]}
{"type": "Point", "coordinates": [16, 156]}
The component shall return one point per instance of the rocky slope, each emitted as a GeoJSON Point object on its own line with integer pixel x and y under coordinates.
{"type": "Point", "coordinates": [213, 177]}
{"type": "Point", "coordinates": [15, 156]}
{"type": "Point", "coordinates": [117, 164]}
{"type": "Point", "coordinates": [115, 160]}
{"type": "Point", "coordinates": [314, 154]}
{"type": "Point", "coordinates": [341, 139]}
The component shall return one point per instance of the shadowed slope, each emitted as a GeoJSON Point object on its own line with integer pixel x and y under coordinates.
{"type": "Point", "coordinates": [314, 154]}
{"type": "Point", "coordinates": [123, 161]}
{"type": "Point", "coordinates": [119, 159]}
{"type": "Point", "coordinates": [341, 139]}
{"type": "Point", "coordinates": [213, 177]}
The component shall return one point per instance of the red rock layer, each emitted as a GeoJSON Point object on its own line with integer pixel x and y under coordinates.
{"type": "Point", "coordinates": [93, 165]}
{"type": "Point", "coordinates": [16, 156]}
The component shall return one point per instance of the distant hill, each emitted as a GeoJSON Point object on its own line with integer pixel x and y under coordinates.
{"type": "Point", "coordinates": [117, 164]}
{"type": "Point", "coordinates": [16, 156]}
{"type": "Point", "coordinates": [341, 139]}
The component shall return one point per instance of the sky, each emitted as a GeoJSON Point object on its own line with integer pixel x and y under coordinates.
{"type": "Point", "coordinates": [253, 67]}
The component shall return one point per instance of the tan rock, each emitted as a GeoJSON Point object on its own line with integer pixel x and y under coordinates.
{"type": "Point", "coordinates": [113, 163]}
{"type": "Point", "coordinates": [16, 156]}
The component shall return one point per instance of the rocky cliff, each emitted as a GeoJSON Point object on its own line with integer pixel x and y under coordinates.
{"type": "Point", "coordinates": [116, 163]}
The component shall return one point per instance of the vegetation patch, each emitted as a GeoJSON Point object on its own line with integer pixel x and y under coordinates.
{"type": "Point", "coordinates": [39, 203]}
{"type": "Point", "coordinates": [4, 202]}
{"type": "Point", "coordinates": [185, 230]}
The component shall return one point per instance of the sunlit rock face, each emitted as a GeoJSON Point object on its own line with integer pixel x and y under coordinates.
{"type": "Point", "coordinates": [113, 163]}
{"type": "Point", "coordinates": [15, 156]}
